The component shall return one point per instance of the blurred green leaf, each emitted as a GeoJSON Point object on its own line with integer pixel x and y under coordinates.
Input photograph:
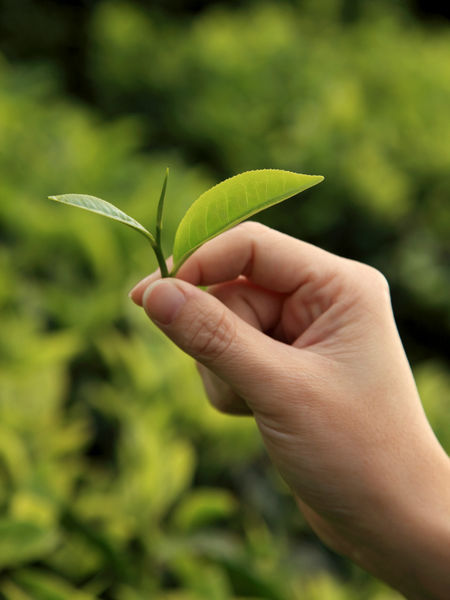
{"type": "Point", "coordinates": [202, 507]}
{"type": "Point", "coordinates": [13, 592]}
{"type": "Point", "coordinates": [46, 586]}
{"type": "Point", "coordinates": [324, 586]}
{"type": "Point", "coordinates": [204, 580]}
{"type": "Point", "coordinates": [21, 542]}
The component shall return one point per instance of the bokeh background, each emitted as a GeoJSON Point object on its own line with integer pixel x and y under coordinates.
{"type": "Point", "coordinates": [117, 480]}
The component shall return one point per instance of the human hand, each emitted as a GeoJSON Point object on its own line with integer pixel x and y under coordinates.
{"type": "Point", "coordinates": [306, 342]}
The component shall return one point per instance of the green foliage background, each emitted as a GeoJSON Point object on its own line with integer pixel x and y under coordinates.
{"type": "Point", "coordinates": [117, 480]}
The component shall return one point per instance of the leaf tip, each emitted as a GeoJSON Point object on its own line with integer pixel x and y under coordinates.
{"type": "Point", "coordinates": [316, 179]}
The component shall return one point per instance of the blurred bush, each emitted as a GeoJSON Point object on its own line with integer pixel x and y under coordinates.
{"type": "Point", "coordinates": [117, 481]}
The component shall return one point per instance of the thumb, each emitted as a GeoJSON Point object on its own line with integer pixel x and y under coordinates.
{"type": "Point", "coordinates": [212, 334]}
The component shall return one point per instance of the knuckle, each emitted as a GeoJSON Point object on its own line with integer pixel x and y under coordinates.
{"type": "Point", "coordinates": [252, 228]}
{"type": "Point", "coordinates": [372, 283]}
{"type": "Point", "coordinates": [378, 281]}
{"type": "Point", "coordinates": [211, 337]}
{"type": "Point", "coordinates": [365, 284]}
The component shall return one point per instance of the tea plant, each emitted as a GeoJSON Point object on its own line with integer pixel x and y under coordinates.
{"type": "Point", "coordinates": [216, 210]}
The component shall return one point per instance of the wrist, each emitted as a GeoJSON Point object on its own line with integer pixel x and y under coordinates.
{"type": "Point", "coordinates": [427, 547]}
{"type": "Point", "coordinates": [402, 535]}
{"type": "Point", "coordinates": [432, 557]}
{"type": "Point", "coordinates": [410, 547]}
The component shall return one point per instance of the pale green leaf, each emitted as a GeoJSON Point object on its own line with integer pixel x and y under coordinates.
{"type": "Point", "coordinates": [21, 542]}
{"type": "Point", "coordinates": [230, 202]}
{"type": "Point", "coordinates": [101, 207]}
{"type": "Point", "coordinates": [43, 585]}
{"type": "Point", "coordinates": [202, 507]}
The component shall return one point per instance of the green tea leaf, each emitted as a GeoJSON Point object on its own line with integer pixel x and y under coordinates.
{"type": "Point", "coordinates": [101, 207]}
{"type": "Point", "coordinates": [230, 202]}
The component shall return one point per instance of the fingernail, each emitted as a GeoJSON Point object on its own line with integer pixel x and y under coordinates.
{"type": "Point", "coordinates": [136, 293]}
{"type": "Point", "coordinates": [162, 301]}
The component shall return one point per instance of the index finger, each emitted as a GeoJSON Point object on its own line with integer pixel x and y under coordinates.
{"type": "Point", "coordinates": [266, 257]}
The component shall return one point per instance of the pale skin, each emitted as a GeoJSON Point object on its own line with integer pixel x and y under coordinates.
{"type": "Point", "coordinates": [305, 341]}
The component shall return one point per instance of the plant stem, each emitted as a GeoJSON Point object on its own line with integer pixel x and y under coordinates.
{"type": "Point", "coordinates": [160, 258]}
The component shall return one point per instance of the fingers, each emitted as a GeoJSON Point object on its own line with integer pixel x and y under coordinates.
{"type": "Point", "coordinates": [258, 308]}
{"type": "Point", "coordinates": [138, 291]}
{"type": "Point", "coordinates": [266, 257]}
{"type": "Point", "coordinates": [254, 305]}
{"type": "Point", "coordinates": [202, 326]}
{"type": "Point", "coordinates": [262, 281]}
